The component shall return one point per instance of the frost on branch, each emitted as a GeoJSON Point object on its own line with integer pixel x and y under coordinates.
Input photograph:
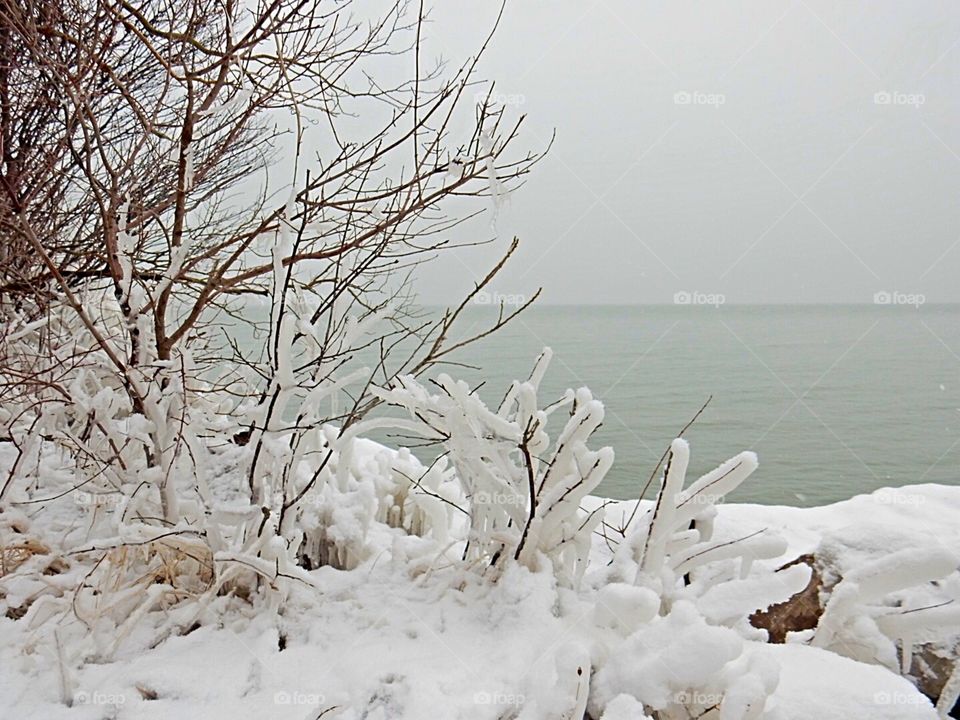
{"type": "Point", "coordinates": [523, 490]}
{"type": "Point", "coordinates": [674, 554]}
{"type": "Point", "coordinates": [672, 611]}
{"type": "Point", "coordinates": [861, 621]}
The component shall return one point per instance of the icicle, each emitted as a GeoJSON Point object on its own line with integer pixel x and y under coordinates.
{"type": "Point", "coordinates": [661, 527]}
{"type": "Point", "coordinates": [124, 252]}
{"type": "Point", "coordinates": [188, 169]}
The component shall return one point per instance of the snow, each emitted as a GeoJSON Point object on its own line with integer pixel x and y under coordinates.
{"type": "Point", "coordinates": [406, 632]}
{"type": "Point", "coordinates": [663, 660]}
{"type": "Point", "coordinates": [624, 707]}
{"type": "Point", "coordinates": [625, 607]}
{"type": "Point", "coordinates": [815, 684]}
{"type": "Point", "coordinates": [375, 644]}
{"type": "Point", "coordinates": [728, 601]}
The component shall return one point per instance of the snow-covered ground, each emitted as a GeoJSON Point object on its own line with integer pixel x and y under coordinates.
{"type": "Point", "coordinates": [410, 633]}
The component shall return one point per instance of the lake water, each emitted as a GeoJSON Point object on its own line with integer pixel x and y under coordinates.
{"type": "Point", "coordinates": [835, 400]}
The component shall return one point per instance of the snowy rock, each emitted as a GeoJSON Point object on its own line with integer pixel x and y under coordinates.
{"type": "Point", "coordinates": [800, 612]}
{"type": "Point", "coordinates": [822, 685]}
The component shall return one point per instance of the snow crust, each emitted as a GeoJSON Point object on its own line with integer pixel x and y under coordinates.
{"type": "Point", "coordinates": [406, 633]}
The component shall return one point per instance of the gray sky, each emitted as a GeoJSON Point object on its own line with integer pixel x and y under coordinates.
{"type": "Point", "coordinates": [772, 151]}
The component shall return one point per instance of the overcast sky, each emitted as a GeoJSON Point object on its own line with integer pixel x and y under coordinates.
{"type": "Point", "coordinates": [772, 151]}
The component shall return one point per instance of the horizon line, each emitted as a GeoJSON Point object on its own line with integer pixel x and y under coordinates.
{"type": "Point", "coordinates": [683, 305]}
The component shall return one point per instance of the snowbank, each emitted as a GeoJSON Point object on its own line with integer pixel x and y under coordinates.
{"type": "Point", "coordinates": [406, 632]}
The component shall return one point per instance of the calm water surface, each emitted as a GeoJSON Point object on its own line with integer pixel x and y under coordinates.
{"type": "Point", "coordinates": [835, 400]}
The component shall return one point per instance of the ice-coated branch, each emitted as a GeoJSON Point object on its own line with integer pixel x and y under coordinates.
{"type": "Point", "coordinates": [857, 606]}
{"type": "Point", "coordinates": [676, 537]}
{"type": "Point", "coordinates": [524, 491]}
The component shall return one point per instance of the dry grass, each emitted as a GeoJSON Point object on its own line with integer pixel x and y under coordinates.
{"type": "Point", "coordinates": [13, 556]}
{"type": "Point", "coordinates": [189, 569]}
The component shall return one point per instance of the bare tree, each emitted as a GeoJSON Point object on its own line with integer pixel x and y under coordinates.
{"type": "Point", "coordinates": [37, 172]}
{"type": "Point", "coordinates": [191, 157]}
